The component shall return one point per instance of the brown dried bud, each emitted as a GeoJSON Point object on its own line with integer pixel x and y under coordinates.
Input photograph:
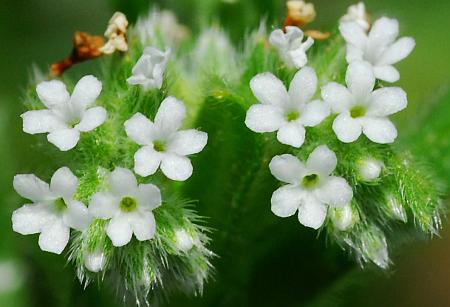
{"type": "Point", "coordinates": [85, 47]}
{"type": "Point", "coordinates": [299, 13]}
{"type": "Point", "coordinates": [317, 35]}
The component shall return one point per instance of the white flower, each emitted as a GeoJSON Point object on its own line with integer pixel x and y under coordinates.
{"type": "Point", "coordinates": [116, 34]}
{"type": "Point", "coordinates": [380, 47]}
{"type": "Point", "coordinates": [310, 189]}
{"type": "Point", "coordinates": [163, 145]}
{"type": "Point", "coordinates": [357, 13]}
{"type": "Point", "coordinates": [128, 206]}
{"type": "Point", "coordinates": [66, 115]}
{"type": "Point", "coordinates": [53, 211]}
{"type": "Point", "coordinates": [183, 240]}
{"type": "Point", "coordinates": [290, 46]}
{"type": "Point", "coordinates": [95, 261]}
{"type": "Point", "coordinates": [149, 69]}
{"type": "Point", "coordinates": [369, 169]}
{"type": "Point", "coordinates": [362, 110]}
{"type": "Point", "coordinates": [160, 25]}
{"type": "Point", "coordinates": [283, 111]}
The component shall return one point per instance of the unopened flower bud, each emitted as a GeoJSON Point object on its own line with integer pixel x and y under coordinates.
{"type": "Point", "coordinates": [396, 208]}
{"type": "Point", "coordinates": [95, 261]}
{"type": "Point", "coordinates": [343, 218]}
{"type": "Point", "coordinates": [183, 240]}
{"type": "Point", "coordinates": [369, 169]}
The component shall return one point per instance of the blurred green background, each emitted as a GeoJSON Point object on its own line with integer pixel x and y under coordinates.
{"type": "Point", "coordinates": [39, 33]}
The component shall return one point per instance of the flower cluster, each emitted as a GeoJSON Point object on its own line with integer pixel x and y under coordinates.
{"type": "Point", "coordinates": [360, 107]}
{"type": "Point", "coordinates": [123, 203]}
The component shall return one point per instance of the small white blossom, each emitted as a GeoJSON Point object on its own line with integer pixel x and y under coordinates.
{"type": "Point", "coordinates": [160, 25]}
{"type": "Point", "coordinates": [357, 13]}
{"type": "Point", "coordinates": [66, 116]}
{"type": "Point", "coordinates": [163, 145]}
{"type": "Point", "coordinates": [380, 47]}
{"type": "Point", "coordinates": [116, 34]}
{"type": "Point", "coordinates": [287, 112]}
{"type": "Point", "coordinates": [95, 261]}
{"type": "Point", "coordinates": [184, 240]}
{"type": "Point", "coordinates": [149, 70]}
{"type": "Point", "coordinates": [53, 211]}
{"type": "Point", "coordinates": [362, 110]}
{"type": "Point", "coordinates": [369, 169]}
{"type": "Point", "coordinates": [290, 46]}
{"type": "Point", "coordinates": [310, 187]}
{"type": "Point", "coordinates": [128, 207]}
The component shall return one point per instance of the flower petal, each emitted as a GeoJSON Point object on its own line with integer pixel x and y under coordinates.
{"type": "Point", "coordinates": [103, 205]}
{"type": "Point", "coordinates": [322, 160]}
{"type": "Point", "coordinates": [86, 92]}
{"type": "Point", "coordinates": [92, 118]}
{"type": "Point", "coordinates": [360, 80]}
{"type": "Point", "coordinates": [384, 31]}
{"type": "Point", "coordinates": [347, 129]}
{"type": "Point", "coordinates": [41, 121]}
{"type": "Point", "coordinates": [77, 215]}
{"type": "Point", "coordinates": [287, 168]}
{"type": "Point", "coordinates": [386, 73]}
{"type": "Point", "coordinates": [54, 237]}
{"type": "Point", "coordinates": [335, 192]}
{"type": "Point", "coordinates": [30, 219]}
{"type": "Point", "coordinates": [354, 54]}
{"type": "Point", "coordinates": [268, 89]}
{"type": "Point", "coordinates": [286, 200]}
{"type": "Point", "coordinates": [123, 182]}
{"type": "Point", "coordinates": [264, 118]}
{"type": "Point", "coordinates": [314, 113]}
{"type": "Point", "coordinates": [64, 139]}
{"type": "Point", "coordinates": [146, 161]}
{"type": "Point", "coordinates": [188, 142]}
{"type": "Point", "coordinates": [397, 51]}
{"type": "Point", "coordinates": [170, 115]}
{"type": "Point", "coordinates": [277, 38]}
{"type": "Point", "coordinates": [337, 96]}
{"type": "Point", "coordinates": [64, 183]}
{"type": "Point", "coordinates": [303, 86]}
{"type": "Point", "coordinates": [379, 130]}
{"type": "Point", "coordinates": [149, 196]}
{"type": "Point", "coordinates": [312, 212]}
{"type": "Point", "coordinates": [353, 34]}
{"type": "Point", "coordinates": [386, 101]}
{"type": "Point", "coordinates": [119, 230]}
{"type": "Point", "coordinates": [140, 129]}
{"type": "Point", "coordinates": [31, 187]}
{"type": "Point", "coordinates": [176, 167]}
{"type": "Point", "coordinates": [143, 225]}
{"type": "Point", "coordinates": [52, 93]}
{"type": "Point", "coordinates": [291, 134]}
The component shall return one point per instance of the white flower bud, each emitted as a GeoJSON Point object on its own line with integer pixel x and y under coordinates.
{"type": "Point", "coordinates": [396, 208]}
{"type": "Point", "coordinates": [95, 262]}
{"type": "Point", "coordinates": [183, 240]}
{"type": "Point", "coordinates": [375, 248]}
{"type": "Point", "coordinates": [343, 218]}
{"type": "Point", "coordinates": [369, 169]}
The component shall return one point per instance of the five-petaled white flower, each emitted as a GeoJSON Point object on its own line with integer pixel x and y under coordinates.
{"type": "Point", "coordinates": [128, 206]}
{"type": "Point", "coordinates": [357, 13]}
{"type": "Point", "coordinates": [380, 47]}
{"type": "Point", "coordinates": [290, 46]}
{"type": "Point", "coordinates": [53, 211]}
{"type": "Point", "coordinates": [66, 115]}
{"type": "Point", "coordinates": [283, 111]}
{"type": "Point", "coordinates": [163, 144]}
{"type": "Point", "coordinates": [149, 69]}
{"type": "Point", "coordinates": [362, 110]}
{"type": "Point", "coordinates": [310, 189]}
